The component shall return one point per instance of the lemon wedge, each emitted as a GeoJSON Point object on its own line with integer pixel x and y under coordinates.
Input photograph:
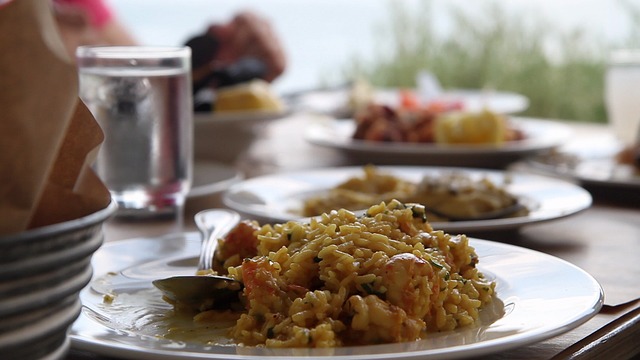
{"type": "Point", "coordinates": [484, 127]}
{"type": "Point", "coordinates": [253, 95]}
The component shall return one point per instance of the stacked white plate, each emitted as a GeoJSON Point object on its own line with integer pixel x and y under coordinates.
{"type": "Point", "coordinates": [41, 274]}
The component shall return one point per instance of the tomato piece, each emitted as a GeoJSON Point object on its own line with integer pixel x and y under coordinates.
{"type": "Point", "coordinates": [409, 100]}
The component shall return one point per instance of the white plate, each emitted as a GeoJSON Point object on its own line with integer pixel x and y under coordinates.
{"type": "Point", "coordinates": [225, 137]}
{"type": "Point", "coordinates": [540, 135]}
{"type": "Point", "coordinates": [590, 161]}
{"type": "Point", "coordinates": [335, 102]}
{"type": "Point", "coordinates": [541, 297]}
{"type": "Point", "coordinates": [272, 197]}
{"type": "Point", "coordinates": [210, 177]}
{"type": "Point", "coordinates": [239, 118]}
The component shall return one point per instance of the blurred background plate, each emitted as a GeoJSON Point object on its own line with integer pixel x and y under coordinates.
{"type": "Point", "coordinates": [249, 117]}
{"type": "Point", "coordinates": [275, 198]}
{"type": "Point", "coordinates": [589, 161]}
{"type": "Point", "coordinates": [500, 102]}
{"type": "Point", "coordinates": [225, 137]}
{"type": "Point", "coordinates": [540, 135]}
{"type": "Point", "coordinates": [239, 118]}
{"type": "Point", "coordinates": [335, 102]}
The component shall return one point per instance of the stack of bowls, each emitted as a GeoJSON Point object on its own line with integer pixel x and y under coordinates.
{"type": "Point", "coordinates": [41, 274]}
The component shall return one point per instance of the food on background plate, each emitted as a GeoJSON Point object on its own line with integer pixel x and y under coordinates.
{"type": "Point", "coordinates": [385, 276]}
{"type": "Point", "coordinates": [436, 123]}
{"type": "Point", "coordinates": [250, 96]}
{"type": "Point", "coordinates": [470, 128]}
{"type": "Point", "coordinates": [446, 196]}
{"type": "Point", "coordinates": [630, 155]}
{"type": "Point", "coordinates": [360, 95]}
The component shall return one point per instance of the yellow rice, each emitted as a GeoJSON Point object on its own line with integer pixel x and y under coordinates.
{"type": "Point", "coordinates": [450, 194]}
{"type": "Point", "coordinates": [346, 280]}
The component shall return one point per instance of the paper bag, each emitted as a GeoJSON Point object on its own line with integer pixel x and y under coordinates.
{"type": "Point", "coordinates": [48, 138]}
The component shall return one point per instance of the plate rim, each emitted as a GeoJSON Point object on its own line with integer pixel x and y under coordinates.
{"type": "Point", "coordinates": [633, 183]}
{"type": "Point", "coordinates": [382, 94]}
{"type": "Point", "coordinates": [540, 333]}
{"type": "Point", "coordinates": [318, 134]}
{"type": "Point", "coordinates": [215, 187]}
{"type": "Point", "coordinates": [240, 117]}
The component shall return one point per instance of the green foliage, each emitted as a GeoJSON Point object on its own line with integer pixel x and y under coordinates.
{"type": "Point", "coordinates": [561, 74]}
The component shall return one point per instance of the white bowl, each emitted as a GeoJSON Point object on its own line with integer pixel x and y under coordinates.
{"type": "Point", "coordinates": [41, 334]}
{"type": "Point", "coordinates": [42, 271]}
{"type": "Point", "coordinates": [224, 137]}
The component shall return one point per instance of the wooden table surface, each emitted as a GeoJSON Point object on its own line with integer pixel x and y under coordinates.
{"type": "Point", "coordinates": [604, 240]}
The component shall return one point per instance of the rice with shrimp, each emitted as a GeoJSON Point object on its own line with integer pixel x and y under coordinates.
{"type": "Point", "coordinates": [340, 279]}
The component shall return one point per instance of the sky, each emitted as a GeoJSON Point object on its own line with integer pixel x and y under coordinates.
{"type": "Point", "coordinates": [322, 35]}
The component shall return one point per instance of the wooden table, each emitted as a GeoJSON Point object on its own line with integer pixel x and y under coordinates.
{"type": "Point", "coordinates": [604, 240]}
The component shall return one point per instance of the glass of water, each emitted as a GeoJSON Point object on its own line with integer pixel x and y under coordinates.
{"type": "Point", "coordinates": [142, 98]}
{"type": "Point", "coordinates": [622, 94]}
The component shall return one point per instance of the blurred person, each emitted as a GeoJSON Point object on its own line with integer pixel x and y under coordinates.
{"type": "Point", "coordinates": [247, 35]}
{"type": "Point", "coordinates": [89, 22]}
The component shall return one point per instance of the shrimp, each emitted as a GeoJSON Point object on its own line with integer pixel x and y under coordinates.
{"type": "Point", "coordinates": [263, 285]}
{"type": "Point", "coordinates": [240, 243]}
{"type": "Point", "coordinates": [411, 283]}
{"type": "Point", "coordinates": [374, 320]}
{"type": "Point", "coordinates": [379, 123]}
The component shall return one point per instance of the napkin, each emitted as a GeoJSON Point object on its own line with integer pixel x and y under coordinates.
{"type": "Point", "coordinates": [48, 138]}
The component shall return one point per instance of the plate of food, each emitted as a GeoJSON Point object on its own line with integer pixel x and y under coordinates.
{"type": "Point", "coordinates": [386, 135]}
{"type": "Point", "coordinates": [458, 199]}
{"type": "Point", "coordinates": [601, 162]}
{"type": "Point", "coordinates": [332, 288]}
{"type": "Point", "coordinates": [243, 104]}
{"type": "Point", "coordinates": [240, 118]}
{"type": "Point", "coordinates": [344, 101]}
{"type": "Point", "coordinates": [241, 113]}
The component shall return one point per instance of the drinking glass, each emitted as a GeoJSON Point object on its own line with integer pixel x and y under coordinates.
{"type": "Point", "coordinates": [622, 94]}
{"type": "Point", "coordinates": [141, 97]}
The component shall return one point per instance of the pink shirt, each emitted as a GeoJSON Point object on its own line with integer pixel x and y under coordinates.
{"type": "Point", "coordinates": [98, 12]}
